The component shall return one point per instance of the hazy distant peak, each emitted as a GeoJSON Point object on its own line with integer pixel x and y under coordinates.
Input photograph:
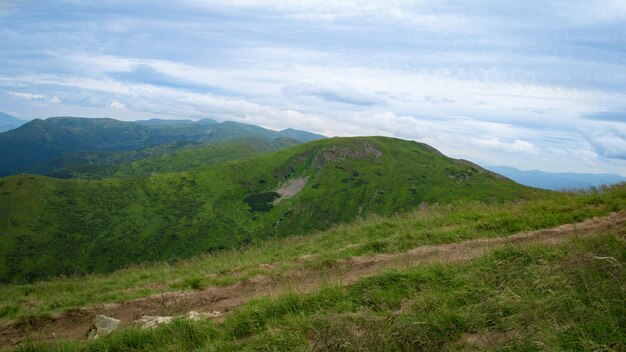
{"type": "Point", "coordinates": [8, 122]}
{"type": "Point", "coordinates": [557, 180]}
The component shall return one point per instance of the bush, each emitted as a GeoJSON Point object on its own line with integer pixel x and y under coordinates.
{"type": "Point", "coordinates": [261, 201]}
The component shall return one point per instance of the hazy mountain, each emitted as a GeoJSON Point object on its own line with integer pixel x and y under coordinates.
{"type": "Point", "coordinates": [299, 135]}
{"type": "Point", "coordinates": [39, 141]}
{"type": "Point", "coordinates": [8, 122]}
{"type": "Point", "coordinates": [556, 181]}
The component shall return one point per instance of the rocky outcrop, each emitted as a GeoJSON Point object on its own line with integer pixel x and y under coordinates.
{"type": "Point", "coordinates": [102, 326]}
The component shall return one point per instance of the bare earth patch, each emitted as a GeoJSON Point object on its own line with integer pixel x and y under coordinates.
{"type": "Point", "coordinates": [74, 324]}
{"type": "Point", "coordinates": [291, 188]}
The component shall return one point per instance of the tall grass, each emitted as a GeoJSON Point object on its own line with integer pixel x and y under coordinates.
{"type": "Point", "coordinates": [541, 298]}
{"type": "Point", "coordinates": [428, 225]}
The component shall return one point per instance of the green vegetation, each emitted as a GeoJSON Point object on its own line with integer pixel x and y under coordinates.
{"type": "Point", "coordinates": [515, 299]}
{"type": "Point", "coordinates": [171, 157]}
{"type": "Point", "coordinates": [39, 142]}
{"type": "Point", "coordinates": [435, 224]}
{"type": "Point", "coordinates": [261, 201]}
{"type": "Point", "coordinates": [53, 227]}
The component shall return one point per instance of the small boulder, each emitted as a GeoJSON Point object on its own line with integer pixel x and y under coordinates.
{"type": "Point", "coordinates": [102, 326]}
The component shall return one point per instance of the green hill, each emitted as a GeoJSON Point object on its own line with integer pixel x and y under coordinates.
{"type": "Point", "coordinates": [41, 141]}
{"type": "Point", "coordinates": [169, 157]}
{"type": "Point", "coordinates": [52, 227]}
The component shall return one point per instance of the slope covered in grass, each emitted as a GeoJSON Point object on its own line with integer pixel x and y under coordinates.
{"type": "Point", "coordinates": [430, 225]}
{"type": "Point", "coordinates": [53, 227]}
{"type": "Point", "coordinates": [171, 157]}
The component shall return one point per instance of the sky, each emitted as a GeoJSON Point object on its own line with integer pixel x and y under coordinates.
{"type": "Point", "coordinates": [529, 84]}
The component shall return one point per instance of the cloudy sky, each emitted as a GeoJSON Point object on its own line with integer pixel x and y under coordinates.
{"type": "Point", "coordinates": [530, 84]}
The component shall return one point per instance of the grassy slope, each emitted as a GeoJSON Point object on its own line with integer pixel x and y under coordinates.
{"type": "Point", "coordinates": [515, 299]}
{"type": "Point", "coordinates": [80, 226]}
{"type": "Point", "coordinates": [172, 157]}
{"type": "Point", "coordinates": [434, 224]}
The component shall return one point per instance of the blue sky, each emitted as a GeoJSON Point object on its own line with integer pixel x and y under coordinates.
{"type": "Point", "coordinates": [530, 84]}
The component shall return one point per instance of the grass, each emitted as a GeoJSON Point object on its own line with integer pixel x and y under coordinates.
{"type": "Point", "coordinates": [57, 227]}
{"type": "Point", "coordinates": [436, 224]}
{"type": "Point", "coordinates": [536, 298]}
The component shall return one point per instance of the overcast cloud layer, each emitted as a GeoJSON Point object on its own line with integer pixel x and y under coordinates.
{"type": "Point", "coordinates": [535, 85]}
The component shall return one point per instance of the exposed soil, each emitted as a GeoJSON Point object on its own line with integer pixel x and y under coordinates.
{"type": "Point", "coordinates": [291, 188]}
{"type": "Point", "coordinates": [74, 324]}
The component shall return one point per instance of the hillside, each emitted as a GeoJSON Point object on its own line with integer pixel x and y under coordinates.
{"type": "Point", "coordinates": [461, 276]}
{"type": "Point", "coordinates": [39, 141]}
{"type": "Point", "coordinates": [169, 157]}
{"type": "Point", "coordinates": [557, 181]}
{"type": "Point", "coordinates": [54, 227]}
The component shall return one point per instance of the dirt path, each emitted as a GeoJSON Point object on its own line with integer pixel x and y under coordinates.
{"type": "Point", "coordinates": [74, 324]}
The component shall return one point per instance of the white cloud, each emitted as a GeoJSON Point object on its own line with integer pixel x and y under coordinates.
{"type": "Point", "coordinates": [518, 146]}
{"type": "Point", "coordinates": [27, 96]}
{"type": "Point", "coordinates": [609, 143]}
{"type": "Point", "coordinates": [34, 97]}
{"type": "Point", "coordinates": [333, 93]}
{"type": "Point", "coordinates": [116, 105]}
{"type": "Point", "coordinates": [417, 13]}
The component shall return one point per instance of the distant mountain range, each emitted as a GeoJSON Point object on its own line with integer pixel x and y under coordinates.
{"type": "Point", "coordinates": [41, 141]}
{"type": "Point", "coordinates": [8, 122]}
{"type": "Point", "coordinates": [556, 181]}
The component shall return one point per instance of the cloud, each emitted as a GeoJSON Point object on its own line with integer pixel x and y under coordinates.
{"type": "Point", "coordinates": [609, 143]}
{"type": "Point", "coordinates": [117, 105]}
{"type": "Point", "coordinates": [28, 96]}
{"type": "Point", "coordinates": [518, 146]}
{"type": "Point", "coordinates": [612, 116]}
{"type": "Point", "coordinates": [147, 73]}
{"type": "Point", "coordinates": [34, 97]}
{"type": "Point", "coordinates": [333, 93]}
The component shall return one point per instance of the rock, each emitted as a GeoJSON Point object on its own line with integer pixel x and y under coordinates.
{"type": "Point", "coordinates": [102, 326]}
{"type": "Point", "coordinates": [193, 315]}
{"type": "Point", "coordinates": [150, 322]}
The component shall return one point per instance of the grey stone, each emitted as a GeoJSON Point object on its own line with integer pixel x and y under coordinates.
{"type": "Point", "coordinates": [102, 326]}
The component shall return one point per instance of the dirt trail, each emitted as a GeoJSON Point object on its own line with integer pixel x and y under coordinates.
{"type": "Point", "coordinates": [74, 324]}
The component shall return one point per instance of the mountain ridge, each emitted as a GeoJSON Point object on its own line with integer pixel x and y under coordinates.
{"type": "Point", "coordinates": [39, 140]}
{"type": "Point", "coordinates": [100, 225]}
